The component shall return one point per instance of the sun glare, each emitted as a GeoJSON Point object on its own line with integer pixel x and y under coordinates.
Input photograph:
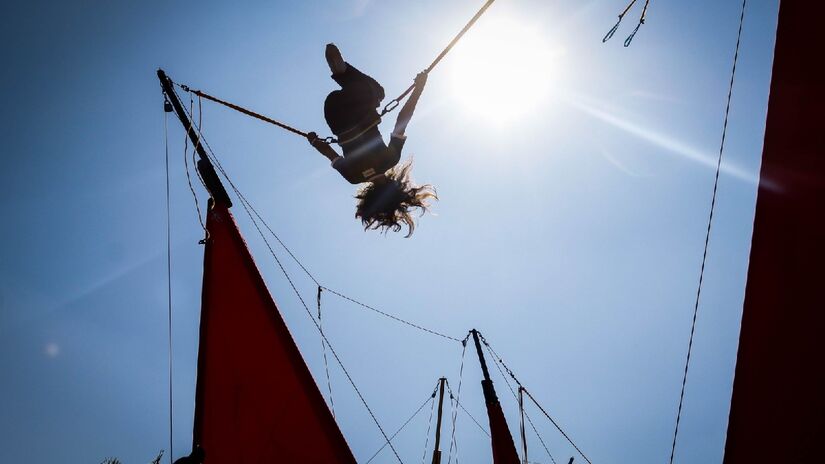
{"type": "Point", "coordinates": [503, 70]}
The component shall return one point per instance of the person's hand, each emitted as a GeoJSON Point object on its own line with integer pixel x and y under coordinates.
{"type": "Point", "coordinates": [312, 137]}
{"type": "Point", "coordinates": [421, 80]}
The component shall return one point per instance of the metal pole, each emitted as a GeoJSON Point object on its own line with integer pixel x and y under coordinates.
{"type": "Point", "coordinates": [486, 385]}
{"type": "Point", "coordinates": [521, 424]}
{"type": "Point", "coordinates": [207, 171]}
{"type": "Point", "coordinates": [437, 450]}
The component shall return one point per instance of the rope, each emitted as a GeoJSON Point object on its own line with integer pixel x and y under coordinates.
{"type": "Point", "coordinates": [429, 399]}
{"type": "Point", "coordinates": [522, 432]}
{"type": "Point", "coordinates": [247, 207]}
{"type": "Point", "coordinates": [324, 350]}
{"type": "Point", "coordinates": [454, 412]}
{"type": "Point", "coordinates": [541, 440]}
{"type": "Point", "coordinates": [513, 392]}
{"type": "Point", "coordinates": [629, 38]}
{"type": "Point", "coordinates": [395, 318]}
{"type": "Point", "coordinates": [615, 27]}
{"type": "Point", "coordinates": [394, 102]}
{"type": "Point", "coordinates": [429, 427]}
{"type": "Point", "coordinates": [310, 275]}
{"type": "Point", "coordinates": [166, 109]}
{"type": "Point", "coordinates": [453, 440]}
{"type": "Point", "coordinates": [553, 421]}
{"type": "Point", "coordinates": [480, 427]}
{"type": "Point", "coordinates": [186, 166]}
{"type": "Point", "coordinates": [547, 415]}
{"type": "Point", "coordinates": [341, 295]}
{"type": "Point", "coordinates": [389, 107]}
{"type": "Point", "coordinates": [707, 233]}
{"type": "Point", "coordinates": [245, 111]}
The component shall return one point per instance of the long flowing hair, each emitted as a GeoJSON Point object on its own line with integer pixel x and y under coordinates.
{"type": "Point", "coordinates": [389, 205]}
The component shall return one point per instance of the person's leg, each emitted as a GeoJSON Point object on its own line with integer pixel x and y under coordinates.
{"type": "Point", "coordinates": [351, 79]}
{"type": "Point", "coordinates": [336, 62]}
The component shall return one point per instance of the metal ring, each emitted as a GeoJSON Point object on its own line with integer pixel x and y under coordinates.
{"type": "Point", "coordinates": [391, 106]}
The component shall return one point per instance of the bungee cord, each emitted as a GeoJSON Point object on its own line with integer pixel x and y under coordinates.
{"type": "Point", "coordinates": [389, 107]}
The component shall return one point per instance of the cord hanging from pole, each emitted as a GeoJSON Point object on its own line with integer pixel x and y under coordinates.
{"type": "Point", "coordinates": [615, 27]}
{"type": "Point", "coordinates": [194, 163]}
{"type": "Point", "coordinates": [453, 442]}
{"type": "Point", "coordinates": [512, 391]}
{"type": "Point", "coordinates": [167, 108]}
{"type": "Point", "coordinates": [324, 350]}
{"type": "Point", "coordinates": [429, 427]}
{"type": "Point", "coordinates": [515, 379]}
{"type": "Point", "coordinates": [707, 233]}
{"type": "Point", "coordinates": [521, 424]}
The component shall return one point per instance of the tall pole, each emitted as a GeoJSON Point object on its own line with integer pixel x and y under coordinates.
{"type": "Point", "coordinates": [504, 449]}
{"type": "Point", "coordinates": [207, 171]}
{"type": "Point", "coordinates": [521, 424]}
{"type": "Point", "coordinates": [486, 384]}
{"type": "Point", "coordinates": [437, 449]}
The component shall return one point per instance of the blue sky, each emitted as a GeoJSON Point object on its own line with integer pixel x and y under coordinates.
{"type": "Point", "coordinates": [570, 234]}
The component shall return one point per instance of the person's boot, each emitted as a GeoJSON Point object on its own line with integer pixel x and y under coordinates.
{"type": "Point", "coordinates": [334, 59]}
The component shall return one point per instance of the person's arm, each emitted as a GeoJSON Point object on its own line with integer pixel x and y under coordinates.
{"type": "Point", "coordinates": [407, 110]}
{"type": "Point", "coordinates": [322, 147]}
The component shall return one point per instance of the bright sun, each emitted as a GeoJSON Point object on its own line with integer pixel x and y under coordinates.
{"type": "Point", "coordinates": [501, 70]}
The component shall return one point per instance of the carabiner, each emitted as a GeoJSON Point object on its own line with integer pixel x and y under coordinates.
{"type": "Point", "coordinates": [390, 106]}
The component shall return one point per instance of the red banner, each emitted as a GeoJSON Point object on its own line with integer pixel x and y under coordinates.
{"type": "Point", "coordinates": [778, 407]}
{"type": "Point", "coordinates": [256, 401]}
{"type": "Point", "coordinates": [504, 449]}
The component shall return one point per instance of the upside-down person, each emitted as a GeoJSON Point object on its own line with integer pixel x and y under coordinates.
{"type": "Point", "coordinates": [389, 196]}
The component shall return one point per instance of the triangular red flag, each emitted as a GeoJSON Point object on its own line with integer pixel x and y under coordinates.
{"type": "Point", "coordinates": [256, 401]}
{"type": "Point", "coordinates": [504, 449]}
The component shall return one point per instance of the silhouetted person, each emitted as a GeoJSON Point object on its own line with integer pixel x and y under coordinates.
{"type": "Point", "coordinates": [388, 197]}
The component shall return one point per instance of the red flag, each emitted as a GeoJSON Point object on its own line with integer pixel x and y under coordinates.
{"type": "Point", "coordinates": [778, 405]}
{"type": "Point", "coordinates": [256, 401]}
{"type": "Point", "coordinates": [504, 450]}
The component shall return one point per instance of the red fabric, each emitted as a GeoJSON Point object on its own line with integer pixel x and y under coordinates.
{"type": "Point", "coordinates": [256, 401]}
{"type": "Point", "coordinates": [778, 406]}
{"type": "Point", "coordinates": [504, 450]}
